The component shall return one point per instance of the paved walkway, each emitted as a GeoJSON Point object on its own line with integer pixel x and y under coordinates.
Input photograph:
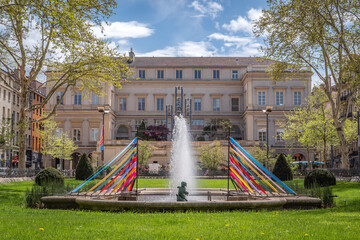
{"type": "Point", "coordinates": [17, 179]}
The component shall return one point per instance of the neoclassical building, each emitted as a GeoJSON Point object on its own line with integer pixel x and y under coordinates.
{"type": "Point", "coordinates": [237, 89]}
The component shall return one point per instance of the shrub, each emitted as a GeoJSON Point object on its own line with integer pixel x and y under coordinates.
{"type": "Point", "coordinates": [84, 168]}
{"type": "Point", "coordinates": [319, 177]}
{"type": "Point", "coordinates": [282, 169]}
{"type": "Point", "coordinates": [49, 176]}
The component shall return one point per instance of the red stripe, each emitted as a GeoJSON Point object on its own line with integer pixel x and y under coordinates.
{"type": "Point", "coordinates": [243, 170]}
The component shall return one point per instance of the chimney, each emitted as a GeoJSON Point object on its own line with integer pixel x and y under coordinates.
{"type": "Point", "coordinates": [132, 55]}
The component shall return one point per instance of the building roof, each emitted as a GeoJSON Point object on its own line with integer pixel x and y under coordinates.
{"type": "Point", "coordinates": [196, 62]}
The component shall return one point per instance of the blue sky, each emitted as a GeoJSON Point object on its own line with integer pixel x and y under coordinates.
{"type": "Point", "coordinates": [185, 27]}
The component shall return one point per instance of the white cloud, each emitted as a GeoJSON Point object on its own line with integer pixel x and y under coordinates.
{"type": "Point", "coordinates": [184, 49]}
{"type": "Point", "coordinates": [254, 14]}
{"type": "Point", "coordinates": [238, 41]}
{"type": "Point", "coordinates": [240, 24]}
{"type": "Point", "coordinates": [120, 30]}
{"type": "Point", "coordinates": [243, 24]}
{"type": "Point", "coordinates": [207, 8]}
{"type": "Point", "coordinates": [237, 46]}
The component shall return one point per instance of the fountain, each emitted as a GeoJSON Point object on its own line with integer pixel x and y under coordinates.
{"type": "Point", "coordinates": [182, 167]}
{"type": "Point", "coordinates": [255, 187]}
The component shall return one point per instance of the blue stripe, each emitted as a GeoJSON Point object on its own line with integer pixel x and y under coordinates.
{"type": "Point", "coordinates": [260, 166]}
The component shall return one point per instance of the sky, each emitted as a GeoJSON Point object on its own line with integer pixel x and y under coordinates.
{"type": "Point", "coordinates": [180, 28]}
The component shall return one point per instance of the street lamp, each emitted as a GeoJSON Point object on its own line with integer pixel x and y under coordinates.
{"type": "Point", "coordinates": [103, 111]}
{"type": "Point", "coordinates": [267, 110]}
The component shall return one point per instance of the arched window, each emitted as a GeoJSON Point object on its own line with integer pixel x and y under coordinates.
{"type": "Point", "coordinates": [122, 132]}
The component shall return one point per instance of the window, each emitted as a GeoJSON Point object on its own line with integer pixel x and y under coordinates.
{"type": "Point", "coordinates": [178, 74]}
{"type": "Point", "coordinates": [18, 100]}
{"type": "Point", "coordinates": [262, 135]}
{"type": "Point", "coordinates": [95, 99]}
{"type": "Point", "coordinates": [4, 94]}
{"type": "Point", "coordinates": [280, 98]}
{"type": "Point", "coordinates": [216, 74]}
{"type": "Point", "coordinates": [3, 115]}
{"type": "Point", "coordinates": [17, 118]}
{"type": "Point", "coordinates": [279, 135]}
{"type": "Point", "coordinates": [122, 104]}
{"type": "Point", "coordinates": [142, 74]}
{"type": "Point", "coordinates": [216, 104]}
{"type": "Point", "coordinates": [94, 133]}
{"type": "Point", "coordinates": [261, 98]}
{"type": "Point", "coordinates": [138, 122]}
{"type": "Point", "coordinates": [234, 104]}
{"type": "Point", "coordinates": [197, 104]}
{"type": "Point", "coordinates": [76, 134]}
{"type": "Point", "coordinates": [9, 96]}
{"type": "Point", "coordinates": [234, 74]}
{"type": "Point", "coordinates": [160, 74]}
{"type": "Point", "coordinates": [141, 104]}
{"type": "Point", "coordinates": [197, 74]}
{"type": "Point", "coordinates": [159, 122]}
{"type": "Point", "coordinates": [58, 132]}
{"type": "Point", "coordinates": [297, 98]}
{"type": "Point", "coordinates": [58, 98]}
{"type": "Point", "coordinates": [77, 98]}
{"type": "Point", "coordinates": [160, 104]}
{"type": "Point", "coordinates": [14, 98]}
{"type": "Point", "coordinates": [197, 122]}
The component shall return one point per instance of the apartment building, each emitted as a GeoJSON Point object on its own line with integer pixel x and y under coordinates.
{"type": "Point", "coordinates": [236, 89]}
{"type": "Point", "coordinates": [36, 97]}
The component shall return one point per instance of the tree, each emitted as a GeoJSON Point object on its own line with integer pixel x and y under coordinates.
{"type": "Point", "coordinates": [282, 169]}
{"type": "Point", "coordinates": [322, 36]}
{"type": "Point", "coordinates": [63, 148]}
{"type": "Point", "coordinates": [211, 155]}
{"type": "Point", "coordinates": [65, 46]}
{"type": "Point", "coordinates": [84, 168]}
{"type": "Point", "coordinates": [311, 126]}
{"type": "Point", "coordinates": [159, 133]}
{"type": "Point", "coordinates": [259, 154]}
{"type": "Point", "coordinates": [56, 145]}
{"type": "Point", "coordinates": [144, 152]}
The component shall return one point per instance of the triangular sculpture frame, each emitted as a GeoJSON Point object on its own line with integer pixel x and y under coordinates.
{"type": "Point", "coordinates": [250, 177]}
{"type": "Point", "coordinates": [122, 177]}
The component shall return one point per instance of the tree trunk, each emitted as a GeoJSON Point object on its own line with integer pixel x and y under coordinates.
{"type": "Point", "coordinates": [343, 147]}
{"type": "Point", "coordinates": [324, 153]}
{"type": "Point", "coordinates": [22, 126]}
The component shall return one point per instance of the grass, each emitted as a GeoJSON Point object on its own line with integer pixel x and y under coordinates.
{"type": "Point", "coordinates": [18, 222]}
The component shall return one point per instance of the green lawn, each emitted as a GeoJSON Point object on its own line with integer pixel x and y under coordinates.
{"type": "Point", "coordinates": [18, 222]}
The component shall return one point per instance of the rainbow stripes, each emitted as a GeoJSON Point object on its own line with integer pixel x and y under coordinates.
{"type": "Point", "coordinates": [247, 175]}
{"type": "Point", "coordinates": [122, 176]}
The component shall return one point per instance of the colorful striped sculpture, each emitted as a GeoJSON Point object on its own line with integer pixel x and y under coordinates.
{"type": "Point", "coordinates": [121, 178]}
{"type": "Point", "coordinates": [247, 175]}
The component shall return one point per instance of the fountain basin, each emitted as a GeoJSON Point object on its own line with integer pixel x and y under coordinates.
{"type": "Point", "coordinates": [152, 200]}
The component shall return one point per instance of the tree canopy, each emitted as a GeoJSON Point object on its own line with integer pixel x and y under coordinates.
{"type": "Point", "coordinates": [57, 36]}
{"type": "Point", "coordinates": [321, 36]}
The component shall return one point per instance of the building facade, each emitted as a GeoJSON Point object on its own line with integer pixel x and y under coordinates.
{"type": "Point", "coordinates": [235, 89]}
{"type": "Point", "coordinates": [10, 117]}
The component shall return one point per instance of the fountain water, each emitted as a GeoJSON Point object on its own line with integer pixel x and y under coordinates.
{"type": "Point", "coordinates": [182, 166]}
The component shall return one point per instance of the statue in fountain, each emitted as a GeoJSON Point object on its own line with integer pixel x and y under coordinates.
{"type": "Point", "coordinates": [181, 196]}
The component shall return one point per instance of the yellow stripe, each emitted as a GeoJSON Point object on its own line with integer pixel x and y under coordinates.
{"type": "Point", "coordinates": [254, 170]}
{"type": "Point", "coordinates": [122, 180]}
{"type": "Point", "coordinates": [241, 179]}
{"type": "Point", "coordinates": [116, 168]}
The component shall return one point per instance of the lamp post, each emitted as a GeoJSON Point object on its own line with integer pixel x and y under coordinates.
{"type": "Point", "coordinates": [103, 111]}
{"type": "Point", "coordinates": [267, 110]}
